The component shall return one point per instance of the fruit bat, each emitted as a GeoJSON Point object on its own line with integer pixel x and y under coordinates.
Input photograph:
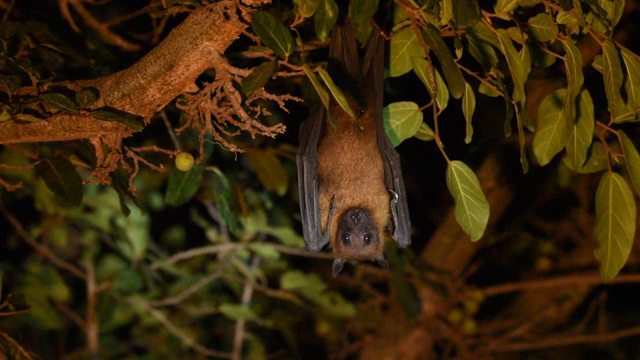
{"type": "Point", "coordinates": [351, 189]}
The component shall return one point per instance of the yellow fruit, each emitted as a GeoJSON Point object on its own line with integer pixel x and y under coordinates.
{"type": "Point", "coordinates": [184, 161]}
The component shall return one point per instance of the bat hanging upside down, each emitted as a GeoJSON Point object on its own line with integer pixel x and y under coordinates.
{"type": "Point", "coordinates": [351, 189]}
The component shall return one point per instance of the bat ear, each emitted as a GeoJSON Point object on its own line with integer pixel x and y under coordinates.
{"type": "Point", "coordinates": [338, 264]}
{"type": "Point", "coordinates": [383, 263]}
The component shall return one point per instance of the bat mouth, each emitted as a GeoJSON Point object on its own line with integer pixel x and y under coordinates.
{"type": "Point", "coordinates": [357, 236]}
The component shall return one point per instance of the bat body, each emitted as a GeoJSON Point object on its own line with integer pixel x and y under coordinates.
{"type": "Point", "coordinates": [352, 194]}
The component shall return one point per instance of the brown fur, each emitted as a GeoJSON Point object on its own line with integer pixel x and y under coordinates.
{"type": "Point", "coordinates": [350, 168]}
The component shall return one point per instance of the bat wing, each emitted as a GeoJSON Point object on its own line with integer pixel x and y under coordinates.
{"type": "Point", "coordinates": [373, 71]}
{"type": "Point", "coordinates": [307, 163]}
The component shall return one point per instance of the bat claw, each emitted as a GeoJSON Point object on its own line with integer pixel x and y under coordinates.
{"type": "Point", "coordinates": [338, 264]}
{"type": "Point", "coordinates": [383, 263]}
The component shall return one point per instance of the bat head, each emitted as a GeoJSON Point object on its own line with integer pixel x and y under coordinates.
{"type": "Point", "coordinates": [358, 236]}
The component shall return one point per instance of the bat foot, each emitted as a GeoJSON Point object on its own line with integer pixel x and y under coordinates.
{"type": "Point", "coordinates": [338, 264]}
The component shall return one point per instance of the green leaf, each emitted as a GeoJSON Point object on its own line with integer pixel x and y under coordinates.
{"type": "Point", "coordinates": [325, 18]}
{"type": "Point", "coordinates": [86, 97]}
{"type": "Point", "coordinates": [60, 102]}
{"type": "Point", "coordinates": [442, 93]}
{"type": "Point", "coordinates": [631, 159]}
{"type": "Point", "coordinates": [468, 108]}
{"type": "Point", "coordinates": [338, 95]}
{"type": "Point", "coordinates": [450, 69]}
{"type": "Point", "coordinates": [4, 115]}
{"type": "Point", "coordinates": [322, 93]}
{"type": "Point", "coordinates": [471, 206]}
{"type": "Point", "coordinates": [111, 114]}
{"type": "Point", "coordinates": [516, 67]}
{"type": "Point", "coordinates": [182, 185]}
{"type": "Point", "coordinates": [309, 285]}
{"type": "Point", "coordinates": [271, 173]}
{"type": "Point", "coordinates": [597, 160]}
{"type": "Point", "coordinates": [481, 51]}
{"type": "Point", "coordinates": [425, 133]}
{"type": "Point", "coordinates": [484, 33]}
{"type": "Point", "coordinates": [360, 13]}
{"type": "Point", "coordinates": [305, 8]}
{"type": "Point", "coordinates": [615, 224]}
{"type": "Point", "coordinates": [552, 131]}
{"type": "Point", "coordinates": [238, 312]}
{"type": "Point", "coordinates": [581, 132]}
{"type": "Point", "coordinates": [333, 304]}
{"type": "Point", "coordinates": [258, 77]}
{"type": "Point", "coordinates": [128, 282]}
{"type": "Point", "coordinates": [62, 179]}
{"type": "Point", "coordinates": [503, 7]}
{"type": "Point", "coordinates": [465, 13]}
{"type": "Point", "coordinates": [632, 80]}
{"type": "Point", "coordinates": [446, 11]}
{"type": "Point", "coordinates": [401, 120]}
{"type": "Point", "coordinates": [613, 78]}
{"type": "Point", "coordinates": [542, 27]}
{"type": "Point", "coordinates": [265, 251]}
{"type": "Point", "coordinates": [575, 78]}
{"type": "Point", "coordinates": [403, 48]}
{"type": "Point", "coordinates": [274, 34]}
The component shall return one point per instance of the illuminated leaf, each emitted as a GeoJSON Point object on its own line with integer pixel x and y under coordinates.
{"type": "Point", "coordinates": [274, 34]}
{"type": "Point", "coordinates": [258, 77]}
{"type": "Point", "coordinates": [468, 108]}
{"type": "Point", "coordinates": [613, 78]}
{"type": "Point", "coordinates": [581, 132]}
{"type": "Point", "coordinates": [325, 18]}
{"type": "Point", "coordinates": [450, 69]}
{"type": "Point", "coordinates": [516, 67]}
{"type": "Point", "coordinates": [425, 133]}
{"type": "Point", "coordinates": [503, 7]}
{"type": "Point", "coordinates": [615, 224]}
{"type": "Point", "coordinates": [404, 46]}
{"type": "Point", "coordinates": [575, 78]}
{"type": "Point", "coordinates": [552, 131]}
{"type": "Point", "coordinates": [401, 121]}
{"type": "Point", "coordinates": [632, 80]}
{"type": "Point", "coordinates": [631, 159]}
{"type": "Point", "coordinates": [471, 206]}
{"type": "Point", "coordinates": [338, 95]}
{"type": "Point", "coordinates": [322, 93]}
{"type": "Point", "coordinates": [86, 97]}
{"type": "Point", "coordinates": [542, 27]}
{"type": "Point", "coordinates": [271, 173]}
{"type": "Point", "coordinates": [60, 102]}
{"type": "Point", "coordinates": [305, 8]}
{"type": "Point", "coordinates": [63, 180]}
{"type": "Point", "coordinates": [182, 185]}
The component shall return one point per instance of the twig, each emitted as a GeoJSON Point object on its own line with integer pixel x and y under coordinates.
{"type": "Point", "coordinates": [21, 350]}
{"type": "Point", "coordinates": [92, 328]}
{"type": "Point", "coordinates": [181, 335]}
{"type": "Point", "coordinates": [238, 335]}
{"type": "Point", "coordinates": [176, 299]}
{"type": "Point", "coordinates": [578, 279]}
{"type": "Point", "coordinates": [43, 250]}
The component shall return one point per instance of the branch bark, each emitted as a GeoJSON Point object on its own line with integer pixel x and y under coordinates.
{"type": "Point", "coordinates": [169, 70]}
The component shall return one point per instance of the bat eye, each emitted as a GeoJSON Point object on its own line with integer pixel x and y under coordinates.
{"type": "Point", "coordinates": [346, 239]}
{"type": "Point", "coordinates": [366, 238]}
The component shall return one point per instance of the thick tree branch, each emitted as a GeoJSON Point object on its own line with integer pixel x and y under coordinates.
{"type": "Point", "coordinates": [167, 71]}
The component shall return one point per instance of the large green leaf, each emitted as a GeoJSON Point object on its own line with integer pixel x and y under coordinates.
{"type": "Point", "coordinates": [325, 18]}
{"type": "Point", "coordinates": [360, 13]}
{"type": "Point", "coordinates": [468, 108]}
{"type": "Point", "coordinates": [516, 67]}
{"type": "Point", "coordinates": [615, 224]}
{"type": "Point", "coordinates": [273, 33]}
{"type": "Point", "coordinates": [465, 13]}
{"type": "Point", "coordinates": [631, 159]}
{"type": "Point", "coordinates": [632, 80]}
{"type": "Point", "coordinates": [552, 131]}
{"type": "Point", "coordinates": [542, 27]}
{"type": "Point", "coordinates": [60, 102]}
{"type": "Point", "coordinates": [404, 46]}
{"type": "Point", "coordinates": [613, 79]}
{"type": "Point", "coordinates": [471, 206]}
{"type": "Point", "coordinates": [322, 92]}
{"type": "Point", "coordinates": [450, 69]}
{"type": "Point", "coordinates": [581, 132]}
{"type": "Point", "coordinates": [338, 95]}
{"type": "Point", "coordinates": [401, 120]}
{"type": "Point", "coordinates": [62, 178]}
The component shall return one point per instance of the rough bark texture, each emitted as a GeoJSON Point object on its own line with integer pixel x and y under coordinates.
{"type": "Point", "coordinates": [150, 84]}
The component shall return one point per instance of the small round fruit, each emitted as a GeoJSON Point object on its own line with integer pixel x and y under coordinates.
{"type": "Point", "coordinates": [184, 161]}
